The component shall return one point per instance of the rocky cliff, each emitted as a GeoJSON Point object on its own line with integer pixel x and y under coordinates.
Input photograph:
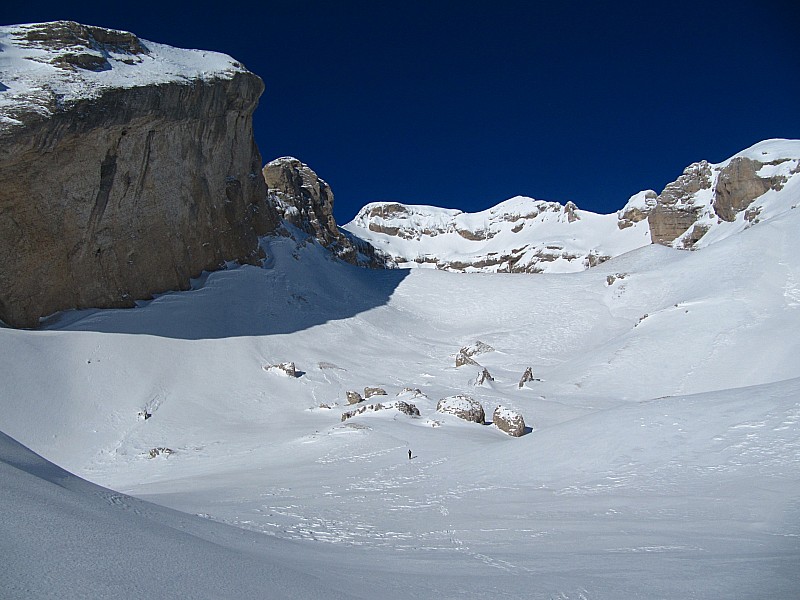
{"type": "Point", "coordinates": [708, 200]}
{"type": "Point", "coordinates": [523, 235]}
{"type": "Point", "coordinates": [520, 235]}
{"type": "Point", "coordinates": [126, 168]}
{"type": "Point", "coordinates": [305, 201]}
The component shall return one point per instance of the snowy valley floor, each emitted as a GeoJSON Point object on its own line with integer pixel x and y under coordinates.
{"type": "Point", "coordinates": [663, 461]}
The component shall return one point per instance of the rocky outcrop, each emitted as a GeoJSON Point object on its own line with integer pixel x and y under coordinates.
{"type": "Point", "coordinates": [738, 185]}
{"type": "Point", "coordinates": [353, 397]}
{"type": "Point", "coordinates": [407, 408]}
{"type": "Point", "coordinates": [305, 200]}
{"type": "Point", "coordinates": [526, 377]}
{"type": "Point", "coordinates": [509, 421]}
{"type": "Point", "coordinates": [463, 359]}
{"type": "Point", "coordinates": [462, 406]}
{"type": "Point", "coordinates": [404, 407]}
{"type": "Point", "coordinates": [286, 368]}
{"type": "Point", "coordinates": [483, 377]}
{"type": "Point", "coordinates": [126, 168]}
{"type": "Point", "coordinates": [369, 392]}
{"type": "Point", "coordinates": [675, 210]}
{"type": "Point", "coordinates": [520, 235]}
{"type": "Point", "coordinates": [681, 214]}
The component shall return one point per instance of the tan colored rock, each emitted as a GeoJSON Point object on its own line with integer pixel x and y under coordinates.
{"type": "Point", "coordinates": [129, 192]}
{"type": "Point", "coordinates": [483, 377]}
{"type": "Point", "coordinates": [675, 212]}
{"type": "Point", "coordinates": [369, 392]}
{"type": "Point", "coordinates": [526, 377]}
{"type": "Point", "coordinates": [569, 210]}
{"type": "Point", "coordinates": [407, 408]}
{"type": "Point", "coordinates": [462, 406]}
{"type": "Point", "coordinates": [305, 200]}
{"type": "Point", "coordinates": [464, 359]}
{"type": "Point", "coordinates": [737, 186]}
{"type": "Point", "coordinates": [353, 397]}
{"type": "Point", "coordinates": [509, 421]}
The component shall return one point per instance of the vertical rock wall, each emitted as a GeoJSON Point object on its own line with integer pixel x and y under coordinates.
{"type": "Point", "coordinates": [131, 192]}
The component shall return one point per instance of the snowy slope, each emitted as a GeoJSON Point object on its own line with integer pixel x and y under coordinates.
{"type": "Point", "coordinates": [527, 235]}
{"type": "Point", "coordinates": [518, 235]}
{"type": "Point", "coordinates": [665, 415]}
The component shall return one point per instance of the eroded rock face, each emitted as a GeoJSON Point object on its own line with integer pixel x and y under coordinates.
{"type": "Point", "coordinates": [305, 200]}
{"type": "Point", "coordinates": [118, 180]}
{"type": "Point", "coordinates": [462, 406]}
{"type": "Point", "coordinates": [737, 186]}
{"type": "Point", "coordinates": [675, 210]}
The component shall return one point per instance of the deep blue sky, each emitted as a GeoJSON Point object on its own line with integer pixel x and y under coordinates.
{"type": "Point", "coordinates": [465, 104]}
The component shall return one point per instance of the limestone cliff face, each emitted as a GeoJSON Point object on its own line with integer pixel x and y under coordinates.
{"type": "Point", "coordinates": [304, 200]}
{"type": "Point", "coordinates": [119, 180]}
{"type": "Point", "coordinates": [708, 196]}
{"type": "Point", "coordinates": [675, 210]}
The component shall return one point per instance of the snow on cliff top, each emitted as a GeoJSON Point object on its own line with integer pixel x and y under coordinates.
{"type": "Point", "coordinates": [45, 65]}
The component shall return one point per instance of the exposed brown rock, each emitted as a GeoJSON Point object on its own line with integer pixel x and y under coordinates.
{"type": "Point", "coordinates": [483, 377]}
{"type": "Point", "coordinates": [509, 421]}
{"type": "Point", "coordinates": [114, 198]}
{"type": "Point", "coordinates": [462, 406]}
{"type": "Point", "coordinates": [526, 377]}
{"type": "Point", "coordinates": [353, 397]}
{"type": "Point", "coordinates": [305, 200]}
{"type": "Point", "coordinates": [674, 212]}
{"type": "Point", "coordinates": [369, 392]}
{"type": "Point", "coordinates": [738, 185]}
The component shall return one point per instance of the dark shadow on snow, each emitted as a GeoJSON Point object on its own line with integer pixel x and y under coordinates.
{"type": "Point", "coordinates": [247, 301]}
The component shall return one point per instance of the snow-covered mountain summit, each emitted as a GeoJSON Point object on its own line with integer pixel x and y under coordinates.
{"type": "Point", "coordinates": [705, 204]}
{"type": "Point", "coordinates": [44, 66]}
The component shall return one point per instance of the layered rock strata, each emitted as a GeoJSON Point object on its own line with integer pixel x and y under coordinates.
{"type": "Point", "coordinates": [126, 168]}
{"type": "Point", "coordinates": [305, 200]}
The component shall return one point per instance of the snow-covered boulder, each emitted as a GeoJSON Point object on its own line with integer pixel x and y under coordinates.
{"type": "Point", "coordinates": [407, 408]}
{"type": "Point", "coordinates": [285, 368]}
{"type": "Point", "coordinates": [369, 392]}
{"type": "Point", "coordinates": [509, 421]}
{"type": "Point", "coordinates": [462, 406]}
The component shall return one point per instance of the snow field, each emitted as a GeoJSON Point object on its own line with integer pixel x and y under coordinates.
{"type": "Point", "coordinates": [662, 462]}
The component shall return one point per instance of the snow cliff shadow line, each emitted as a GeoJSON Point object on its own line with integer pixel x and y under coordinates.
{"type": "Point", "coordinates": [246, 301]}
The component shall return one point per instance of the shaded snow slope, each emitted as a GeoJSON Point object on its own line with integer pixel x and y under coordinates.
{"type": "Point", "coordinates": [64, 537]}
{"type": "Point", "coordinates": [665, 415]}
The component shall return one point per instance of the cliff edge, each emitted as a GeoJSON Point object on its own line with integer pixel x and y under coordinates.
{"type": "Point", "coordinates": [126, 168]}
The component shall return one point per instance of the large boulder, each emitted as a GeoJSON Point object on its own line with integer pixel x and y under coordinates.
{"type": "Point", "coordinates": [126, 168]}
{"type": "Point", "coordinates": [462, 406]}
{"type": "Point", "coordinates": [509, 421]}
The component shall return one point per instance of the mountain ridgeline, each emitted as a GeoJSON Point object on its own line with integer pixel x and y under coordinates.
{"type": "Point", "coordinates": [128, 167]}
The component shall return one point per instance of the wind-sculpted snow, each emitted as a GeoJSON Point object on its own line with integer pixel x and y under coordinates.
{"type": "Point", "coordinates": [661, 462]}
